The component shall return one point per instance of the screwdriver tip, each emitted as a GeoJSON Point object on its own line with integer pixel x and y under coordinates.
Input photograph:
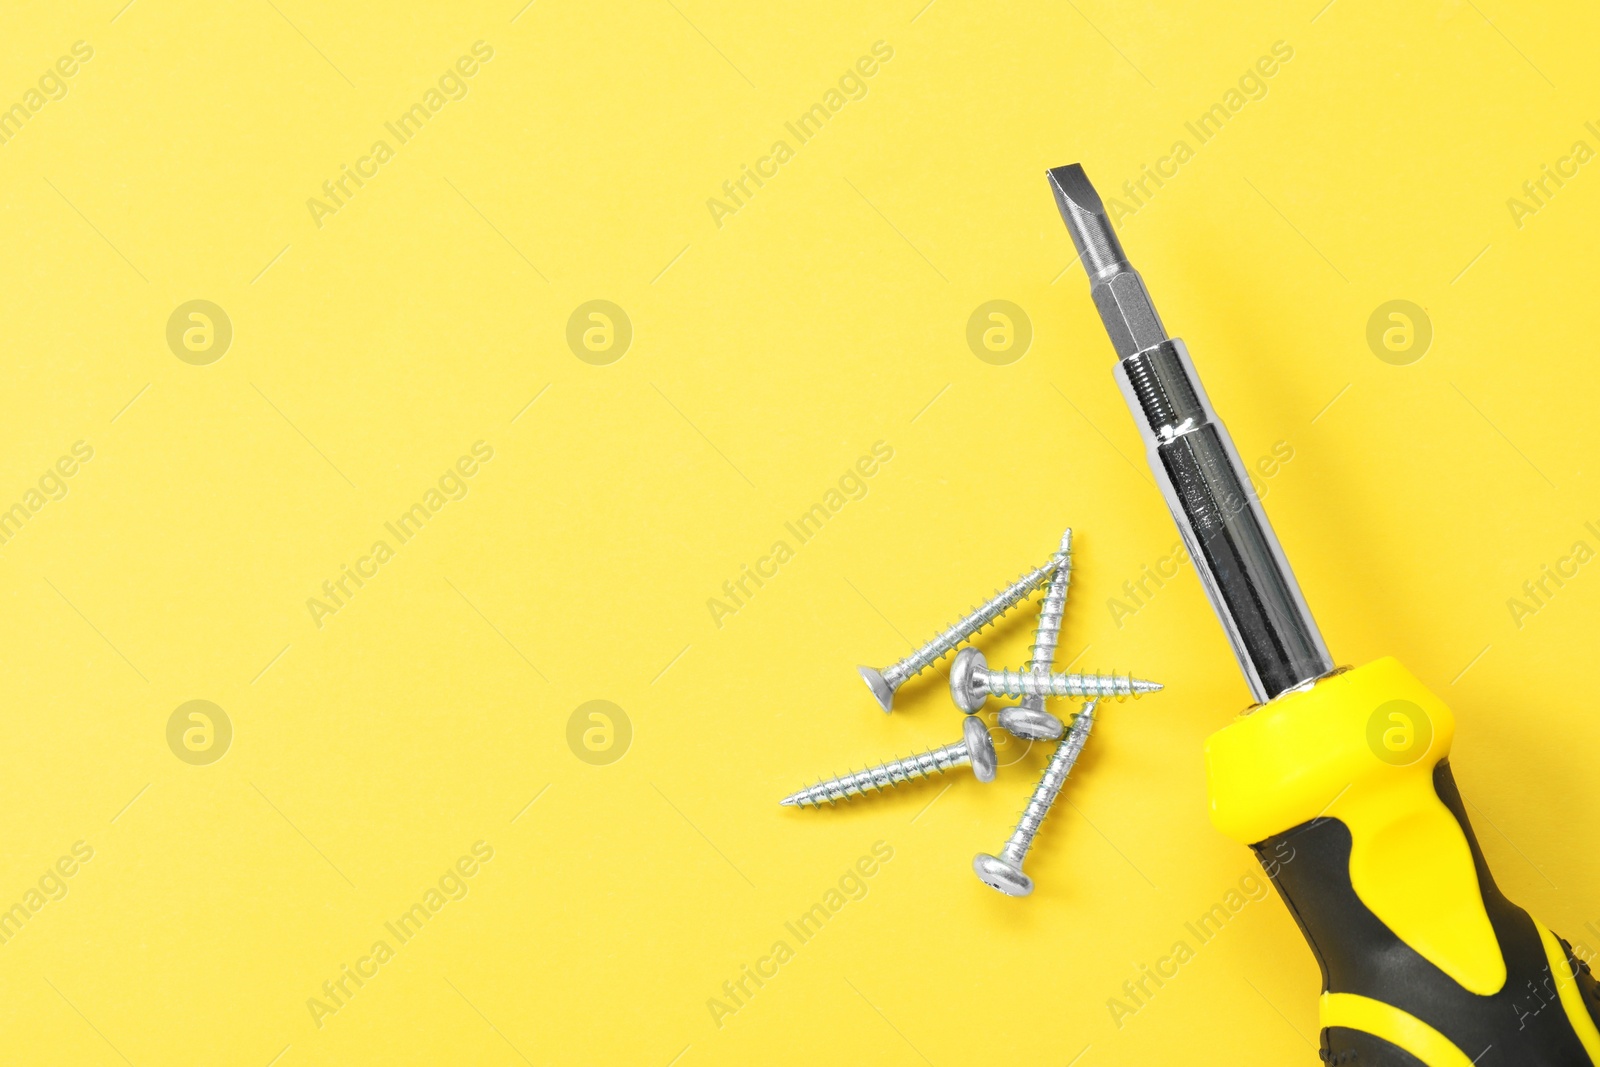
{"type": "Point", "coordinates": [1085, 215]}
{"type": "Point", "coordinates": [1072, 185]}
{"type": "Point", "coordinates": [1118, 292]}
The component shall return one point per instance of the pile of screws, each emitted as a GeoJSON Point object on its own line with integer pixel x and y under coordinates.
{"type": "Point", "coordinates": [971, 683]}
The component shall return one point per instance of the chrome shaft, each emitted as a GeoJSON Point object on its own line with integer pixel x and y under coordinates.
{"type": "Point", "coordinates": [1222, 523]}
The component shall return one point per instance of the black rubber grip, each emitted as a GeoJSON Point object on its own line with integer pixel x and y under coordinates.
{"type": "Point", "coordinates": [1523, 1025]}
{"type": "Point", "coordinates": [1356, 1047]}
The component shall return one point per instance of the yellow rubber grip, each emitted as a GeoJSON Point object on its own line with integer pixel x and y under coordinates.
{"type": "Point", "coordinates": [1346, 786]}
{"type": "Point", "coordinates": [1360, 747]}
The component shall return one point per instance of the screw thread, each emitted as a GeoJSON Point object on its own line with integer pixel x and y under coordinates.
{"type": "Point", "coordinates": [884, 775]}
{"type": "Point", "coordinates": [1049, 787]}
{"type": "Point", "coordinates": [1006, 683]}
{"type": "Point", "coordinates": [1047, 633]}
{"type": "Point", "coordinates": [967, 626]}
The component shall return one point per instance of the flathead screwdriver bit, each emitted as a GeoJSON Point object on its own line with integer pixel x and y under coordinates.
{"type": "Point", "coordinates": [1220, 518]}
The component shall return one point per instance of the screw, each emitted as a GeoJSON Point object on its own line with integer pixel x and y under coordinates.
{"type": "Point", "coordinates": [884, 683]}
{"type": "Point", "coordinates": [1028, 720]}
{"type": "Point", "coordinates": [976, 748]}
{"type": "Point", "coordinates": [971, 682]}
{"type": "Point", "coordinates": [1004, 872]}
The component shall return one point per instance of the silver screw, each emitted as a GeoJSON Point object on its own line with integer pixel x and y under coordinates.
{"type": "Point", "coordinates": [1028, 720]}
{"type": "Point", "coordinates": [884, 683]}
{"type": "Point", "coordinates": [1004, 872]}
{"type": "Point", "coordinates": [971, 682]}
{"type": "Point", "coordinates": [975, 749]}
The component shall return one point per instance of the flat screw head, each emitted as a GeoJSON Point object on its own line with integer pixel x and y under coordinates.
{"type": "Point", "coordinates": [996, 873]}
{"type": "Point", "coordinates": [969, 663]}
{"type": "Point", "coordinates": [1031, 724]}
{"type": "Point", "coordinates": [980, 747]}
{"type": "Point", "coordinates": [881, 690]}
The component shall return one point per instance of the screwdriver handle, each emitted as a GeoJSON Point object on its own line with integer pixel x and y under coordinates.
{"type": "Point", "coordinates": [1344, 791]}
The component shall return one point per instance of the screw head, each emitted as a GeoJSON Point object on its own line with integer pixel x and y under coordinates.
{"type": "Point", "coordinates": [996, 873]}
{"type": "Point", "coordinates": [881, 690]}
{"type": "Point", "coordinates": [980, 746]}
{"type": "Point", "coordinates": [963, 688]}
{"type": "Point", "coordinates": [1031, 724]}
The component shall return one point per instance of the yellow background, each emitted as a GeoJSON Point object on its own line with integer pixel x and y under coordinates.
{"type": "Point", "coordinates": [829, 313]}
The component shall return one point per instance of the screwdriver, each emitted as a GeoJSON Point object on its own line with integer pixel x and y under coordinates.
{"type": "Point", "coordinates": [1339, 779]}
